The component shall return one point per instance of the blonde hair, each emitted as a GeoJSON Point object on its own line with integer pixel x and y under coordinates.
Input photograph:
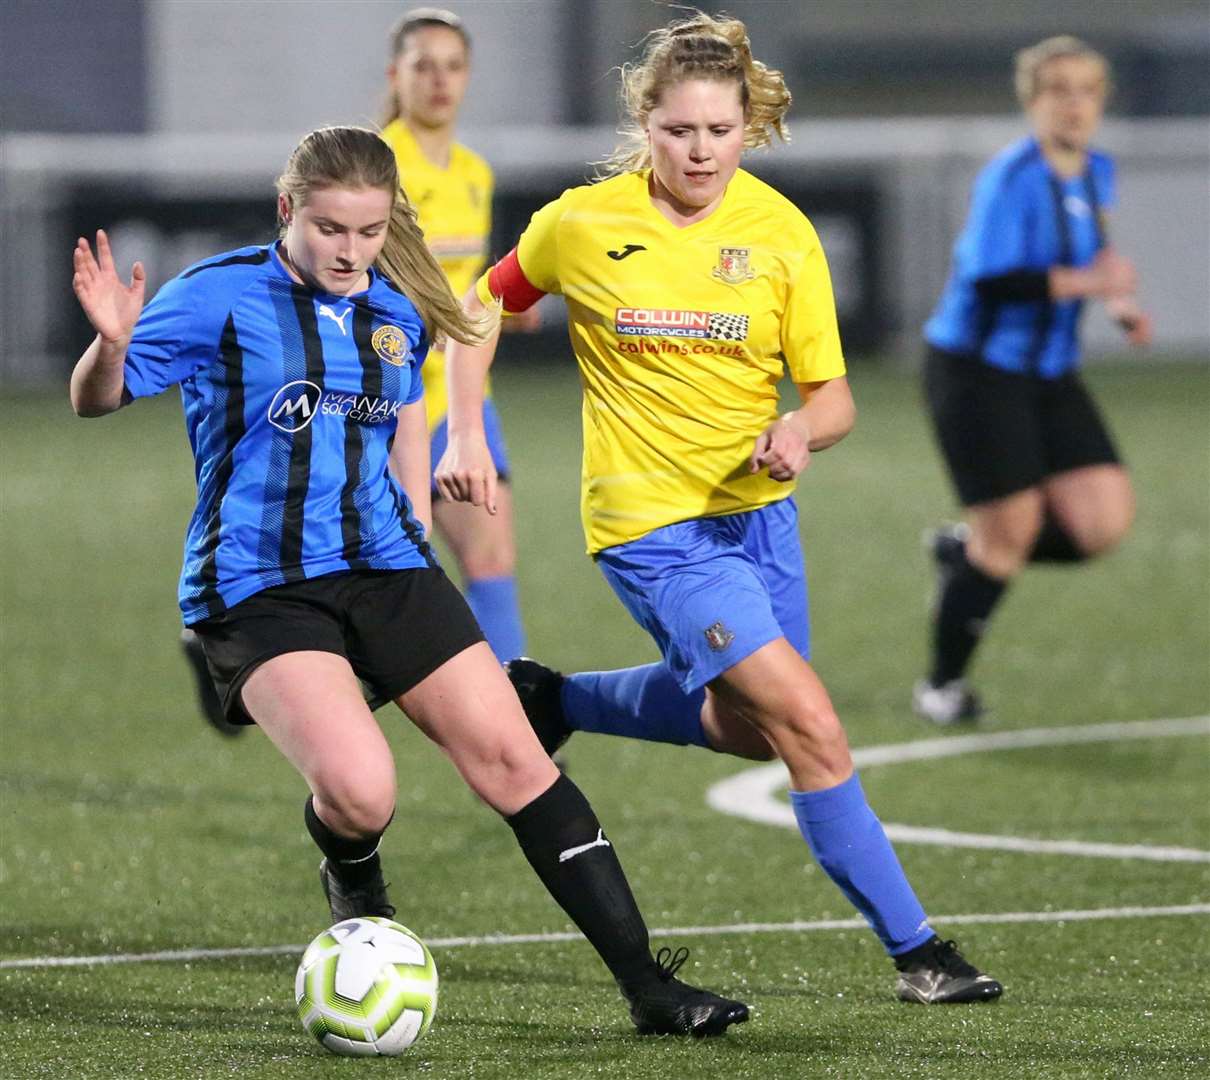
{"type": "Point", "coordinates": [1029, 62]}
{"type": "Point", "coordinates": [700, 47]}
{"type": "Point", "coordinates": [411, 21]}
{"type": "Point", "coordinates": [355, 157]}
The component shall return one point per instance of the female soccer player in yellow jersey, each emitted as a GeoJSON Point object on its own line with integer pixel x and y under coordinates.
{"type": "Point", "coordinates": [451, 188]}
{"type": "Point", "coordinates": [690, 286]}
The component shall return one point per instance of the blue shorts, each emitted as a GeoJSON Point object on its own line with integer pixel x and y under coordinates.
{"type": "Point", "coordinates": [495, 441]}
{"type": "Point", "coordinates": [712, 591]}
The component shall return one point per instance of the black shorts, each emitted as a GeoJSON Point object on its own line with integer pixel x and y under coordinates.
{"type": "Point", "coordinates": [1001, 432]}
{"type": "Point", "coordinates": [395, 627]}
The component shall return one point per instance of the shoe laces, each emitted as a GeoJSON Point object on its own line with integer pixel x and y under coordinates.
{"type": "Point", "coordinates": [668, 962]}
{"type": "Point", "coordinates": [947, 957]}
{"type": "Point", "coordinates": [370, 897]}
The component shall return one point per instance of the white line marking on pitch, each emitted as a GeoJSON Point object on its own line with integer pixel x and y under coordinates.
{"type": "Point", "coordinates": [751, 793]}
{"type": "Point", "coordinates": [184, 955]}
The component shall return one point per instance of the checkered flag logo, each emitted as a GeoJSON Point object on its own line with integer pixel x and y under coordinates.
{"type": "Point", "coordinates": [728, 327]}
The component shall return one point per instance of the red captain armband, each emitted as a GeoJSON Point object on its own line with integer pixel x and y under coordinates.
{"type": "Point", "coordinates": [508, 283]}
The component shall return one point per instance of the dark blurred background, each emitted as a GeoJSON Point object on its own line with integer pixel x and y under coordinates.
{"type": "Point", "coordinates": [167, 120]}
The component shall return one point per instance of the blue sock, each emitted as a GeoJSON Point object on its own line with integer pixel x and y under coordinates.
{"type": "Point", "coordinates": [494, 603]}
{"type": "Point", "coordinates": [641, 702]}
{"type": "Point", "coordinates": [848, 841]}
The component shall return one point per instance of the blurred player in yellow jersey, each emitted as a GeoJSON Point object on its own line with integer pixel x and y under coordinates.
{"type": "Point", "coordinates": [691, 287]}
{"type": "Point", "coordinates": [451, 188]}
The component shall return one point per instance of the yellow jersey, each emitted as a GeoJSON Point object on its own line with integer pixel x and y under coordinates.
{"type": "Point", "coordinates": [454, 208]}
{"type": "Point", "coordinates": [682, 336]}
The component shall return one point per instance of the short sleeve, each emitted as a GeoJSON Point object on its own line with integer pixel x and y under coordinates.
{"type": "Point", "coordinates": [995, 240]}
{"type": "Point", "coordinates": [1104, 176]}
{"type": "Point", "coordinates": [810, 336]}
{"type": "Point", "coordinates": [416, 390]}
{"type": "Point", "coordinates": [538, 248]}
{"type": "Point", "coordinates": [177, 334]}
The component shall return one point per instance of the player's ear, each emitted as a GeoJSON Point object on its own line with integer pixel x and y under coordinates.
{"type": "Point", "coordinates": [285, 208]}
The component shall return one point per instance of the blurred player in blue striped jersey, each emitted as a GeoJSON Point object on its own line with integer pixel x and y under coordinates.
{"type": "Point", "coordinates": [306, 564]}
{"type": "Point", "coordinates": [1029, 455]}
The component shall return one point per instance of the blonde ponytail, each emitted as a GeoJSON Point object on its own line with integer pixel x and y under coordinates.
{"type": "Point", "coordinates": [406, 260]}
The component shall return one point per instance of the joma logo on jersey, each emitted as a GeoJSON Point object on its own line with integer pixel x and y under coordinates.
{"type": "Point", "coordinates": [294, 406]}
{"type": "Point", "coordinates": [672, 322]}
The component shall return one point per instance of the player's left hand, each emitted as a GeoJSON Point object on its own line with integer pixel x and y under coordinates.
{"type": "Point", "coordinates": [782, 448]}
{"type": "Point", "coordinates": [466, 472]}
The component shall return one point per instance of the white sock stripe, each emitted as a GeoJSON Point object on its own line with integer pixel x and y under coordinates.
{"type": "Point", "coordinates": [364, 858]}
{"type": "Point", "coordinates": [572, 852]}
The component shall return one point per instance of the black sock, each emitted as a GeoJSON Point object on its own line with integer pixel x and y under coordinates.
{"type": "Point", "coordinates": [353, 861]}
{"type": "Point", "coordinates": [1055, 545]}
{"type": "Point", "coordinates": [966, 604]}
{"type": "Point", "coordinates": [566, 846]}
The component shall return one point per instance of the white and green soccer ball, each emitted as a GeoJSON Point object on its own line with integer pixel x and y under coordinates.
{"type": "Point", "coordinates": [367, 986]}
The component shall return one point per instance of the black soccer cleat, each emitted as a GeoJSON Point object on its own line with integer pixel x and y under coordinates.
{"type": "Point", "coordinates": [663, 1005]}
{"type": "Point", "coordinates": [207, 696]}
{"type": "Point", "coordinates": [354, 903]}
{"type": "Point", "coordinates": [936, 973]}
{"type": "Point", "coordinates": [539, 689]}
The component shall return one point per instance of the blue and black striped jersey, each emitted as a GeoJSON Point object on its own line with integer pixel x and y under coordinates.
{"type": "Point", "coordinates": [1023, 217]}
{"type": "Point", "coordinates": [291, 399]}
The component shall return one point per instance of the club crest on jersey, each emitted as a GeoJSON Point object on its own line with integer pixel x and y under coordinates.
{"type": "Point", "coordinates": [718, 637]}
{"type": "Point", "coordinates": [733, 265]}
{"type": "Point", "coordinates": [391, 345]}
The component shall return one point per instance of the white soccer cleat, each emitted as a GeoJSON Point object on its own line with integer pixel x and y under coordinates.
{"type": "Point", "coordinates": [950, 703]}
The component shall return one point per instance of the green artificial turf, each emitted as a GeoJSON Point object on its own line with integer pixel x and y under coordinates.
{"type": "Point", "coordinates": [127, 826]}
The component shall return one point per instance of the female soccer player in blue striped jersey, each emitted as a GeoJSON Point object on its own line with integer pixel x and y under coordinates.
{"type": "Point", "coordinates": [450, 187]}
{"type": "Point", "coordinates": [306, 562]}
{"type": "Point", "coordinates": [1028, 453]}
{"type": "Point", "coordinates": [690, 287]}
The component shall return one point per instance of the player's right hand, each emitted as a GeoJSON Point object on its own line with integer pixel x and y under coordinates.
{"type": "Point", "coordinates": [111, 307]}
{"type": "Point", "coordinates": [466, 472]}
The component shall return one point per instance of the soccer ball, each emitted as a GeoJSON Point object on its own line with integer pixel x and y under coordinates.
{"type": "Point", "coordinates": [366, 986]}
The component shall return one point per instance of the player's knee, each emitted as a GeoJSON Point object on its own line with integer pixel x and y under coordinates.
{"type": "Point", "coordinates": [813, 735]}
{"type": "Point", "coordinates": [1003, 550]}
{"type": "Point", "coordinates": [1102, 537]}
{"type": "Point", "coordinates": [361, 806]}
{"type": "Point", "coordinates": [497, 772]}
{"type": "Point", "coordinates": [487, 562]}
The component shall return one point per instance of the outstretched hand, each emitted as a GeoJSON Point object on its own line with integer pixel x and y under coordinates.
{"type": "Point", "coordinates": [112, 307]}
